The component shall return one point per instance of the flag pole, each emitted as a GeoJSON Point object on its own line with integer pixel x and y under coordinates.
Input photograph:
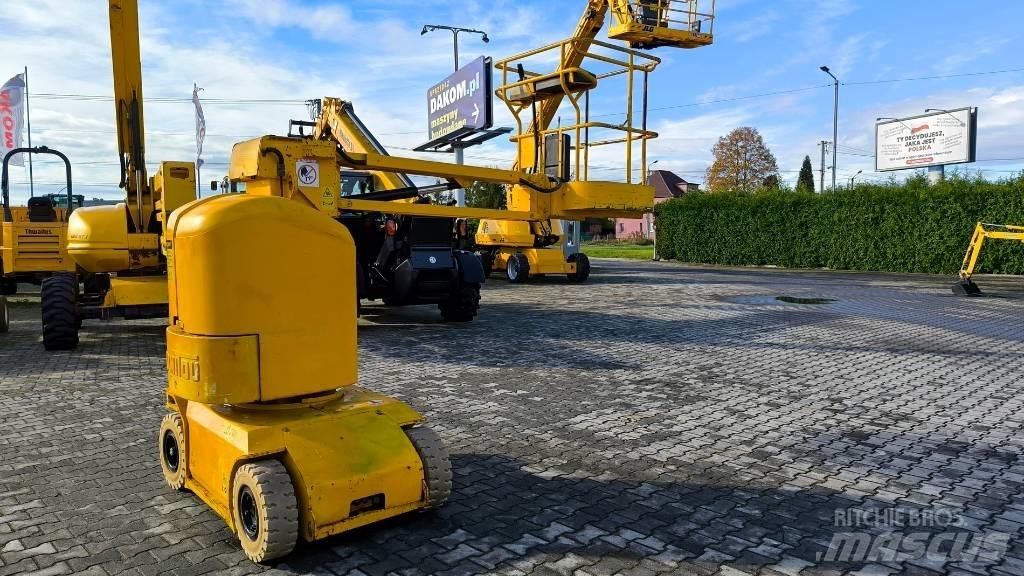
{"type": "Point", "coordinates": [28, 125]}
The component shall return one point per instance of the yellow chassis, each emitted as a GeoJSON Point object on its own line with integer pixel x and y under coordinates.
{"type": "Point", "coordinates": [542, 260]}
{"type": "Point", "coordinates": [338, 449]}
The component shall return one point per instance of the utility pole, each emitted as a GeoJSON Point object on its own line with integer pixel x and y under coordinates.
{"type": "Point", "coordinates": [824, 149]}
{"type": "Point", "coordinates": [460, 194]}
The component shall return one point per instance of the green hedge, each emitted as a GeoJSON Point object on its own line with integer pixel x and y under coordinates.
{"type": "Point", "coordinates": [905, 227]}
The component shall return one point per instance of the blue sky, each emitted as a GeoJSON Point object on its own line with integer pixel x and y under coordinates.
{"type": "Point", "coordinates": [762, 71]}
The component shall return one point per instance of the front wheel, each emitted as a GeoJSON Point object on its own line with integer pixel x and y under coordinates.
{"type": "Point", "coordinates": [173, 451]}
{"type": "Point", "coordinates": [59, 299]}
{"type": "Point", "coordinates": [462, 305]}
{"type": "Point", "coordinates": [582, 268]}
{"type": "Point", "coordinates": [8, 286]}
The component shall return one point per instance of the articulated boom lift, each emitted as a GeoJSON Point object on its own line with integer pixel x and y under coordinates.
{"type": "Point", "coordinates": [522, 249]}
{"type": "Point", "coordinates": [117, 248]}
{"type": "Point", "coordinates": [266, 421]}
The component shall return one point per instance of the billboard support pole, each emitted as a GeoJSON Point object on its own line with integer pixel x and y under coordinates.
{"type": "Point", "coordinates": [936, 174]}
{"type": "Point", "coordinates": [460, 194]}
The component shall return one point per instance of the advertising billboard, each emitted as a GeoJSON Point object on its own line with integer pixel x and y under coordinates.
{"type": "Point", "coordinates": [933, 139]}
{"type": "Point", "coordinates": [461, 103]}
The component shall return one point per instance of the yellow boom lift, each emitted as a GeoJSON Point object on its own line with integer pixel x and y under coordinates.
{"type": "Point", "coordinates": [32, 238]}
{"type": "Point", "coordinates": [117, 248]}
{"type": "Point", "coordinates": [965, 286]}
{"type": "Point", "coordinates": [266, 422]}
{"type": "Point", "coordinates": [522, 249]}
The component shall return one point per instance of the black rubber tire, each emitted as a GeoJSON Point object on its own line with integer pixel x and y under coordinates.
{"type": "Point", "coordinates": [582, 268]}
{"type": "Point", "coordinates": [8, 287]}
{"type": "Point", "coordinates": [487, 260]}
{"type": "Point", "coordinates": [437, 467]}
{"type": "Point", "coordinates": [5, 317]}
{"type": "Point", "coordinates": [59, 299]}
{"type": "Point", "coordinates": [462, 305]}
{"type": "Point", "coordinates": [173, 447]}
{"type": "Point", "coordinates": [517, 269]}
{"type": "Point", "coordinates": [276, 511]}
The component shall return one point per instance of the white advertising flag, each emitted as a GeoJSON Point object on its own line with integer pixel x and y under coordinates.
{"type": "Point", "coordinates": [200, 121]}
{"type": "Point", "coordinates": [12, 117]}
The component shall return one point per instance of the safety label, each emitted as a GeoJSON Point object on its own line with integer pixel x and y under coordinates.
{"type": "Point", "coordinates": [308, 173]}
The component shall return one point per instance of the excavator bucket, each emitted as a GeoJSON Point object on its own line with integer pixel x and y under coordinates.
{"type": "Point", "coordinates": [966, 287]}
{"type": "Point", "coordinates": [652, 23]}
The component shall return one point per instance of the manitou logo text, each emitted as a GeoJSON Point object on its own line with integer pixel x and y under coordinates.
{"type": "Point", "coordinates": [7, 119]}
{"type": "Point", "coordinates": [184, 368]}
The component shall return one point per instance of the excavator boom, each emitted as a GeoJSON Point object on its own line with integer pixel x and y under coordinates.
{"type": "Point", "coordinates": [131, 145]}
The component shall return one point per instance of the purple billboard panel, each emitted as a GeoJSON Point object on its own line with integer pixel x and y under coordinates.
{"type": "Point", "coordinates": [461, 103]}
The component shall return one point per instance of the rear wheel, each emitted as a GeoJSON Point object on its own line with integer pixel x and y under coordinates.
{"type": "Point", "coordinates": [59, 298]}
{"type": "Point", "coordinates": [173, 451]}
{"type": "Point", "coordinates": [8, 286]}
{"type": "Point", "coordinates": [437, 467]}
{"type": "Point", "coordinates": [582, 268]}
{"type": "Point", "coordinates": [487, 259]}
{"type": "Point", "coordinates": [265, 510]}
{"type": "Point", "coordinates": [462, 305]}
{"type": "Point", "coordinates": [5, 319]}
{"type": "Point", "coordinates": [518, 268]}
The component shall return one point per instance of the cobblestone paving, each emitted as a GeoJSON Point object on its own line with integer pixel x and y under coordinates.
{"type": "Point", "coordinates": [657, 420]}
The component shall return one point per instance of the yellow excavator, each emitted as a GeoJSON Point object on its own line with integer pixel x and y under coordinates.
{"type": "Point", "coordinates": [524, 249]}
{"type": "Point", "coordinates": [117, 248]}
{"type": "Point", "coordinates": [965, 286]}
{"type": "Point", "coordinates": [266, 422]}
{"type": "Point", "coordinates": [32, 238]}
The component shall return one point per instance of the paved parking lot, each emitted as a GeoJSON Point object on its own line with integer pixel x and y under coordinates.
{"type": "Point", "coordinates": [659, 419]}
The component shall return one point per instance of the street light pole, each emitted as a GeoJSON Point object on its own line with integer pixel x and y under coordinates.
{"type": "Point", "coordinates": [835, 123]}
{"type": "Point", "coordinates": [460, 194]}
{"type": "Point", "coordinates": [854, 177]}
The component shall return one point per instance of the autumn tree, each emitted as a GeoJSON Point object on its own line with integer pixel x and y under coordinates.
{"type": "Point", "coordinates": [742, 162]}
{"type": "Point", "coordinates": [805, 183]}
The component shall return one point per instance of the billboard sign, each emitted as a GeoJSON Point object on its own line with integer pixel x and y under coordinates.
{"type": "Point", "coordinates": [933, 139]}
{"type": "Point", "coordinates": [461, 103]}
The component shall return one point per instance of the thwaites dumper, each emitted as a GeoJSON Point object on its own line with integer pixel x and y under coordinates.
{"type": "Point", "coordinates": [121, 272]}
{"type": "Point", "coordinates": [32, 238]}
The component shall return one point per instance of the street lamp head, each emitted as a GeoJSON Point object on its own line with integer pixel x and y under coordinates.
{"type": "Point", "coordinates": [486, 39]}
{"type": "Point", "coordinates": [424, 31]}
{"type": "Point", "coordinates": [824, 68]}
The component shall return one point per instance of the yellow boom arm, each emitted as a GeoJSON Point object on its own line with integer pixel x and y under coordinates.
{"type": "Point", "coordinates": [131, 145]}
{"type": "Point", "coordinates": [338, 122]}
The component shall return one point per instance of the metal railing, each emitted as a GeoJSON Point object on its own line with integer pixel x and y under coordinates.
{"type": "Point", "coordinates": [523, 91]}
